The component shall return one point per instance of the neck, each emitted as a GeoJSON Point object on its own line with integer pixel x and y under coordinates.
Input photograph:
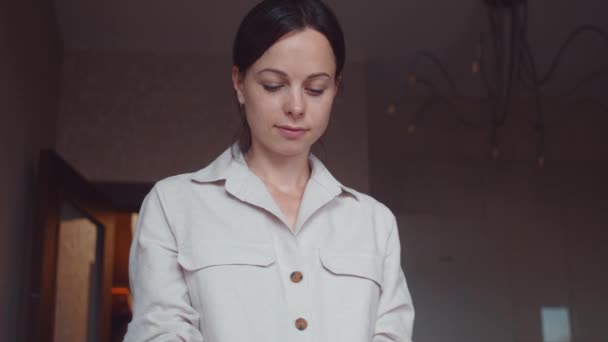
{"type": "Point", "coordinates": [286, 173]}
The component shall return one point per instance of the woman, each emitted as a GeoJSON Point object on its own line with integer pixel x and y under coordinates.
{"type": "Point", "coordinates": [264, 244]}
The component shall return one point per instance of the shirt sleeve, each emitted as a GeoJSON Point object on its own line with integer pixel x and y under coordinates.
{"type": "Point", "coordinates": [161, 303]}
{"type": "Point", "coordinates": [395, 317]}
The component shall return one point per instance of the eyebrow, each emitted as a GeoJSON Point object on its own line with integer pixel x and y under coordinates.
{"type": "Point", "coordinates": [284, 74]}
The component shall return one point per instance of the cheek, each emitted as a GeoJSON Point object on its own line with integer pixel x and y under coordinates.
{"type": "Point", "coordinates": [322, 116]}
{"type": "Point", "coordinates": [260, 103]}
{"type": "Point", "coordinates": [325, 109]}
{"type": "Point", "coordinates": [262, 114]}
{"type": "Point", "coordinates": [256, 109]}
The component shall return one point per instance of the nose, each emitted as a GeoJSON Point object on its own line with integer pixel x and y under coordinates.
{"type": "Point", "coordinates": [295, 103]}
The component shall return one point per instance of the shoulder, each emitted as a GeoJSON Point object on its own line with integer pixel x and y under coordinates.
{"type": "Point", "coordinates": [173, 183]}
{"type": "Point", "coordinates": [218, 169]}
{"type": "Point", "coordinates": [372, 208]}
{"type": "Point", "coordinates": [171, 186]}
{"type": "Point", "coordinates": [171, 192]}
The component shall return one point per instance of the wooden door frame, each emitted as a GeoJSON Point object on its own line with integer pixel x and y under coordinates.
{"type": "Point", "coordinates": [58, 182]}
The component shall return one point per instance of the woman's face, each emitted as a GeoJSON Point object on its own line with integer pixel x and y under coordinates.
{"type": "Point", "coordinates": [288, 93]}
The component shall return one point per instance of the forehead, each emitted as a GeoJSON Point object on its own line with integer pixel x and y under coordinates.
{"type": "Point", "coordinates": [299, 54]}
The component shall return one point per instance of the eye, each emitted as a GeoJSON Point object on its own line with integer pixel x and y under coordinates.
{"type": "Point", "coordinates": [315, 92]}
{"type": "Point", "coordinates": [272, 88]}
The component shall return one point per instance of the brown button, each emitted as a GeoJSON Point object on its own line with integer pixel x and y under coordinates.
{"type": "Point", "coordinates": [301, 324]}
{"type": "Point", "coordinates": [296, 277]}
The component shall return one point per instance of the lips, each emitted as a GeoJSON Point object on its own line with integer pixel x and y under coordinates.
{"type": "Point", "coordinates": [290, 132]}
{"type": "Point", "coordinates": [290, 128]}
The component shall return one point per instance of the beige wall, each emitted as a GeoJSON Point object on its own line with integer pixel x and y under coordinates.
{"type": "Point", "coordinates": [486, 243]}
{"type": "Point", "coordinates": [142, 117]}
{"type": "Point", "coordinates": [30, 54]}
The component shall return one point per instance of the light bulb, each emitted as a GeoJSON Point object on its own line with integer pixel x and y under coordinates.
{"type": "Point", "coordinates": [411, 128]}
{"type": "Point", "coordinates": [412, 79]}
{"type": "Point", "coordinates": [475, 67]}
{"type": "Point", "coordinates": [495, 152]}
{"type": "Point", "coordinates": [541, 161]}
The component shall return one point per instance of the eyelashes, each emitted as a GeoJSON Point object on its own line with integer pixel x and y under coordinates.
{"type": "Point", "coordinates": [316, 92]}
{"type": "Point", "coordinates": [276, 88]}
{"type": "Point", "coordinates": [272, 88]}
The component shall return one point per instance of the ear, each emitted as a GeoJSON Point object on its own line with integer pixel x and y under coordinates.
{"type": "Point", "coordinates": [338, 86]}
{"type": "Point", "coordinates": [237, 84]}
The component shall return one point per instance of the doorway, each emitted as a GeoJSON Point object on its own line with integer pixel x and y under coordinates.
{"type": "Point", "coordinates": [78, 286]}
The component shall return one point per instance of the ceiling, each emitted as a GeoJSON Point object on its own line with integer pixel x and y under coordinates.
{"type": "Point", "coordinates": [380, 31]}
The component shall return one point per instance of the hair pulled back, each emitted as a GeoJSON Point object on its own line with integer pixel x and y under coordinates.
{"type": "Point", "coordinates": [270, 20]}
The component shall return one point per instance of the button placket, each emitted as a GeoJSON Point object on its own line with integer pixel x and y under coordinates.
{"type": "Point", "coordinates": [300, 323]}
{"type": "Point", "coordinates": [295, 266]}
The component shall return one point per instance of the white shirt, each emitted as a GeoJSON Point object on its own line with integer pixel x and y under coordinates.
{"type": "Point", "coordinates": [213, 259]}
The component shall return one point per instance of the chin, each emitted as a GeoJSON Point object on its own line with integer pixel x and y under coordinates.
{"type": "Point", "coordinates": [290, 148]}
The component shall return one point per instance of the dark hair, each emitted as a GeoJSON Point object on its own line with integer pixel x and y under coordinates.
{"type": "Point", "coordinates": [270, 20]}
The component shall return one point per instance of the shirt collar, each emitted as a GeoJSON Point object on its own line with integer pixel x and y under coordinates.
{"type": "Point", "coordinates": [231, 167]}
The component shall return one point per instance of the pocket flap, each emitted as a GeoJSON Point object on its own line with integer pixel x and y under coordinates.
{"type": "Point", "coordinates": [215, 253]}
{"type": "Point", "coordinates": [369, 266]}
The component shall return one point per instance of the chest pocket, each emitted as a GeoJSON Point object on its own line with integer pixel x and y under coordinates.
{"type": "Point", "coordinates": [366, 266]}
{"type": "Point", "coordinates": [228, 279]}
{"type": "Point", "coordinates": [220, 272]}
{"type": "Point", "coordinates": [205, 254]}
